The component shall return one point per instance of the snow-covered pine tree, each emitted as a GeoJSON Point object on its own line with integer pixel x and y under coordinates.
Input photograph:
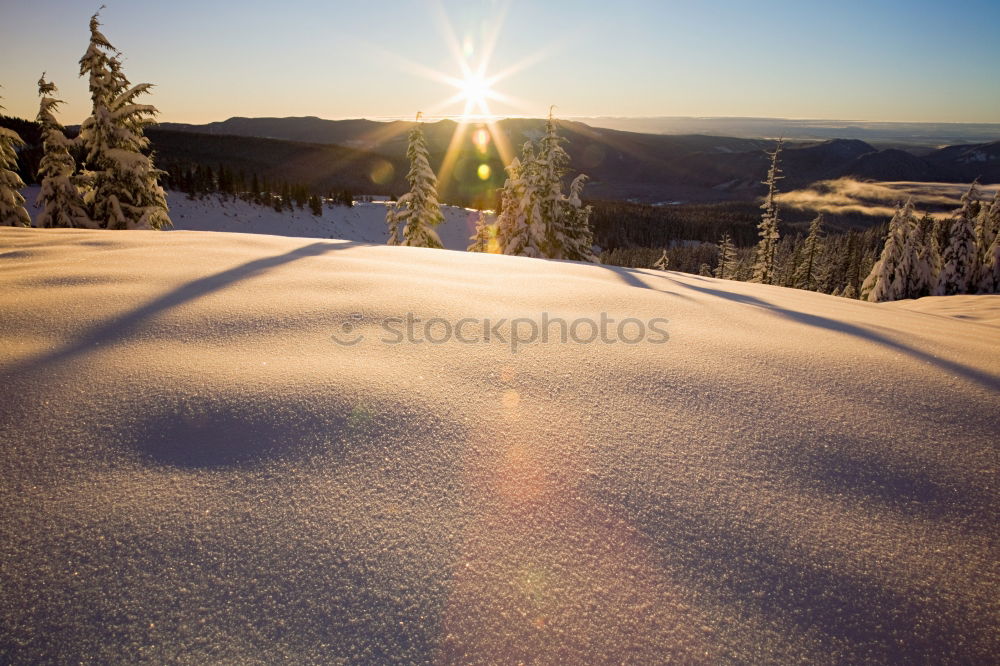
{"type": "Point", "coordinates": [551, 165]}
{"type": "Point", "coordinates": [12, 211]}
{"type": "Point", "coordinates": [124, 190]}
{"type": "Point", "coordinates": [565, 220]}
{"type": "Point", "coordinates": [662, 263]}
{"type": "Point", "coordinates": [579, 245]}
{"type": "Point", "coordinates": [905, 272]}
{"type": "Point", "coordinates": [989, 272]}
{"type": "Point", "coordinates": [727, 257]}
{"type": "Point", "coordinates": [418, 211]}
{"type": "Point", "coordinates": [392, 220]}
{"type": "Point", "coordinates": [881, 284]}
{"type": "Point", "coordinates": [510, 221]}
{"type": "Point", "coordinates": [520, 230]}
{"type": "Point", "coordinates": [60, 199]}
{"type": "Point", "coordinates": [763, 269]}
{"type": "Point", "coordinates": [959, 261]}
{"type": "Point", "coordinates": [786, 260]}
{"type": "Point", "coordinates": [987, 230]}
{"type": "Point", "coordinates": [989, 269]}
{"type": "Point", "coordinates": [913, 273]}
{"type": "Point", "coordinates": [484, 240]}
{"type": "Point", "coordinates": [807, 272]}
{"type": "Point", "coordinates": [922, 280]}
{"type": "Point", "coordinates": [852, 271]}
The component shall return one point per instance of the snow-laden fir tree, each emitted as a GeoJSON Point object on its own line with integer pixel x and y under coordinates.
{"type": "Point", "coordinates": [484, 240]}
{"type": "Point", "coordinates": [852, 273]}
{"type": "Point", "coordinates": [662, 263]}
{"type": "Point", "coordinates": [60, 200]}
{"type": "Point", "coordinates": [727, 258]}
{"type": "Point", "coordinates": [764, 263]}
{"type": "Point", "coordinates": [960, 258]}
{"type": "Point", "coordinates": [808, 269]}
{"type": "Point", "coordinates": [417, 212]}
{"type": "Point", "coordinates": [123, 185]}
{"type": "Point", "coordinates": [551, 164]}
{"type": "Point", "coordinates": [989, 241]}
{"type": "Point", "coordinates": [881, 283]}
{"type": "Point", "coordinates": [536, 219]}
{"type": "Point", "coordinates": [12, 211]}
{"type": "Point", "coordinates": [786, 260]}
{"type": "Point", "coordinates": [520, 228]}
{"type": "Point", "coordinates": [914, 273]}
{"type": "Point", "coordinates": [392, 221]}
{"type": "Point", "coordinates": [989, 273]}
{"type": "Point", "coordinates": [566, 221]}
{"type": "Point", "coordinates": [579, 243]}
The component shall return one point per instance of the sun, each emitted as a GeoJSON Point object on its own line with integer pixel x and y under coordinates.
{"type": "Point", "coordinates": [476, 91]}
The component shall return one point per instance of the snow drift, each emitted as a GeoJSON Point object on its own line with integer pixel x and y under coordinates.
{"type": "Point", "coordinates": [196, 471]}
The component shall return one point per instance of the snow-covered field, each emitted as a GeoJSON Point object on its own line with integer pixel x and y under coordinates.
{"type": "Point", "coordinates": [363, 222]}
{"type": "Point", "coordinates": [195, 471]}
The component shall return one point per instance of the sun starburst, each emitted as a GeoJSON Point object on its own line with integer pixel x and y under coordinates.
{"type": "Point", "coordinates": [475, 94]}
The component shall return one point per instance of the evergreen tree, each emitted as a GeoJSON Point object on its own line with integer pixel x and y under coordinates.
{"type": "Point", "coordinates": [255, 189]}
{"type": "Point", "coordinates": [764, 265]}
{"type": "Point", "coordinates": [727, 257]}
{"type": "Point", "coordinates": [520, 230]}
{"type": "Point", "coordinates": [807, 272]}
{"type": "Point", "coordinates": [987, 230]}
{"type": "Point", "coordinates": [484, 240]}
{"type": "Point", "coordinates": [124, 185]}
{"type": "Point", "coordinates": [536, 219]}
{"type": "Point", "coordinates": [989, 274]}
{"type": "Point", "coordinates": [418, 210]}
{"type": "Point", "coordinates": [579, 236]}
{"type": "Point", "coordinates": [989, 241]}
{"type": "Point", "coordinates": [960, 257]}
{"type": "Point", "coordinates": [662, 263]}
{"type": "Point", "coordinates": [565, 220]}
{"type": "Point", "coordinates": [60, 199]}
{"type": "Point", "coordinates": [392, 220]}
{"type": "Point", "coordinates": [12, 210]}
{"type": "Point", "coordinates": [914, 272]}
{"type": "Point", "coordinates": [786, 260]}
{"type": "Point", "coordinates": [315, 206]}
{"type": "Point", "coordinates": [881, 283]}
{"type": "Point", "coordinates": [551, 164]}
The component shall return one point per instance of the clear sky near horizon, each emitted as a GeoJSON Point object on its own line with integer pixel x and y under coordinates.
{"type": "Point", "coordinates": [890, 60]}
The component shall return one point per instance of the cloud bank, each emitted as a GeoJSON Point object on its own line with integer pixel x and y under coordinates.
{"type": "Point", "coordinates": [846, 195]}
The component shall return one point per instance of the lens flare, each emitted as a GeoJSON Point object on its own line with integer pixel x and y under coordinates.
{"type": "Point", "coordinates": [483, 172]}
{"type": "Point", "coordinates": [481, 138]}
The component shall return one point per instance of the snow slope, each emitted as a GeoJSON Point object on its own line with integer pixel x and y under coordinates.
{"type": "Point", "coordinates": [363, 222]}
{"type": "Point", "coordinates": [194, 471]}
{"type": "Point", "coordinates": [980, 309]}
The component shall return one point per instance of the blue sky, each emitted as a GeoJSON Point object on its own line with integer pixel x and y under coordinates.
{"type": "Point", "coordinates": [889, 60]}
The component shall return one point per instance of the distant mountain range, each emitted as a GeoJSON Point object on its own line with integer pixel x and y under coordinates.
{"type": "Point", "coordinates": [651, 168]}
{"type": "Point", "coordinates": [879, 134]}
{"type": "Point", "coordinates": [369, 157]}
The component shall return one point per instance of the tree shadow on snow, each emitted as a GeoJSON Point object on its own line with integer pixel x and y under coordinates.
{"type": "Point", "coordinates": [981, 377]}
{"type": "Point", "coordinates": [124, 326]}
